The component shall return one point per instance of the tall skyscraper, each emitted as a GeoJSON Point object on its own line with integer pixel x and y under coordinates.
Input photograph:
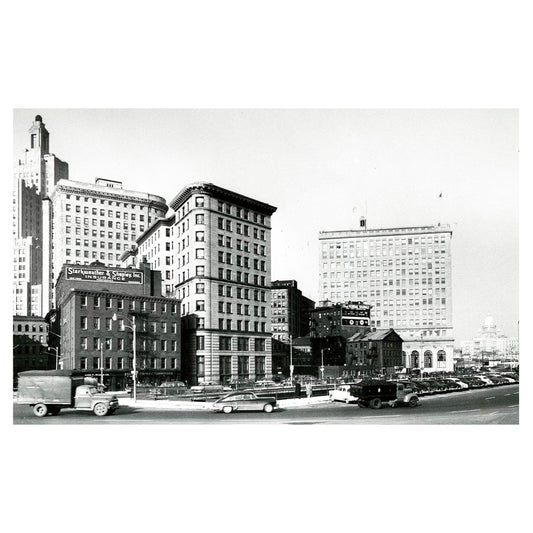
{"type": "Point", "coordinates": [405, 275]}
{"type": "Point", "coordinates": [215, 251]}
{"type": "Point", "coordinates": [35, 174]}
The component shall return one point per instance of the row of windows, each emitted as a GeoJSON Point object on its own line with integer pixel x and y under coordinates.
{"type": "Point", "coordinates": [110, 203]}
{"type": "Point", "coordinates": [240, 245]}
{"type": "Point", "coordinates": [225, 366]}
{"type": "Point", "coordinates": [102, 213]}
{"type": "Point", "coordinates": [376, 243]}
{"type": "Point", "coordinates": [133, 305]}
{"type": "Point", "coordinates": [227, 308]}
{"type": "Point", "coordinates": [96, 233]}
{"type": "Point", "coordinates": [121, 363]}
{"type": "Point", "coordinates": [240, 277]}
{"type": "Point", "coordinates": [241, 261]}
{"type": "Point", "coordinates": [27, 327]}
{"type": "Point", "coordinates": [77, 231]}
{"type": "Point", "coordinates": [142, 325]}
{"type": "Point", "coordinates": [240, 344]}
{"type": "Point", "coordinates": [102, 223]}
{"type": "Point", "coordinates": [120, 344]}
{"type": "Point", "coordinates": [241, 229]}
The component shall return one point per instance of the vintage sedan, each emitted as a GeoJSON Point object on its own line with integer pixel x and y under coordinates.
{"type": "Point", "coordinates": [244, 401]}
{"type": "Point", "coordinates": [343, 393]}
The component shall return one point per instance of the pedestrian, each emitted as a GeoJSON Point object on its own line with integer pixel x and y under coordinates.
{"type": "Point", "coordinates": [309, 390]}
{"type": "Point", "coordinates": [298, 389]}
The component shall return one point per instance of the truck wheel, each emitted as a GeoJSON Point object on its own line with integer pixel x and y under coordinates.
{"type": "Point", "coordinates": [375, 403]}
{"type": "Point", "coordinates": [40, 410]}
{"type": "Point", "coordinates": [100, 409]}
{"type": "Point", "coordinates": [413, 402]}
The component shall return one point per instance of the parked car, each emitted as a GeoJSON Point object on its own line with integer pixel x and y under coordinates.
{"type": "Point", "coordinates": [462, 384]}
{"type": "Point", "coordinates": [343, 393]}
{"type": "Point", "coordinates": [244, 401]}
{"type": "Point", "coordinates": [264, 383]}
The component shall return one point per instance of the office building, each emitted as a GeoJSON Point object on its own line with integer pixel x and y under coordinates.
{"type": "Point", "coordinates": [35, 174]}
{"type": "Point", "coordinates": [96, 308]}
{"type": "Point", "coordinates": [221, 262]}
{"type": "Point", "coordinates": [404, 274]}
{"type": "Point", "coordinates": [156, 246]}
{"type": "Point", "coordinates": [290, 314]}
{"type": "Point", "coordinates": [94, 222]}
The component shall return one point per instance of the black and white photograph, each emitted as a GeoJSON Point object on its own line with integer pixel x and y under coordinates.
{"type": "Point", "coordinates": [332, 266]}
{"type": "Point", "coordinates": [266, 266]}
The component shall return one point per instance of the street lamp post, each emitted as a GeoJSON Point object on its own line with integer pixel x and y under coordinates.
{"type": "Point", "coordinates": [291, 366]}
{"type": "Point", "coordinates": [56, 350]}
{"type": "Point", "coordinates": [134, 372]}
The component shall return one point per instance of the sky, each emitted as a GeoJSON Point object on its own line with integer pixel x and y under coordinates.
{"type": "Point", "coordinates": [323, 169]}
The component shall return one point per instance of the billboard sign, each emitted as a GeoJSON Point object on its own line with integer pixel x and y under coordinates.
{"type": "Point", "coordinates": [107, 275]}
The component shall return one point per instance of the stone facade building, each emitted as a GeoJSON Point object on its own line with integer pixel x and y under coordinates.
{"type": "Point", "coordinates": [405, 275]}
{"type": "Point", "coordinates": [221, 262]}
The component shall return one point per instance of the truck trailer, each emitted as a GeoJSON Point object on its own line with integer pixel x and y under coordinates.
{"type": "Point", "coordinates": [49, 391]}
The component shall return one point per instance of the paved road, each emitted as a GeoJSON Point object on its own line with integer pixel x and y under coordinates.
{"type": "Point", "coordinates": [495, 405]}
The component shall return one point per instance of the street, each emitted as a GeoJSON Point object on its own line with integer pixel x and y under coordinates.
{"type": "Point", "coordinates": [495, 405]}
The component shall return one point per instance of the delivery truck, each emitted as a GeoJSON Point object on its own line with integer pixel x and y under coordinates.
{"type": "Point", "coordinates": [376, 393]}
{"type": "Point", "coordinates": [49, 391]}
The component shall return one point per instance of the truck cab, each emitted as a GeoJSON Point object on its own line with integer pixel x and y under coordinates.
{"type": "Point", "coordinates": [88, 398]}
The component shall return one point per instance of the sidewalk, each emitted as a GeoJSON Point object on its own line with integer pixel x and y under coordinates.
{"type": "Point", "coordinates": [178, 405]}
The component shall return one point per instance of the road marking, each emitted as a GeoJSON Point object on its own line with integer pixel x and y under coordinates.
{"type": "Point", "coordinates": [384, 416]}
{"type": "Point", "coordinates": [507, 394]}
{"type": "Point", "coordinates": [490, 398]}
{"type": "Point", "coordinates": [466, 411]}
{"type": "Point", "coordinates": [515, 405]}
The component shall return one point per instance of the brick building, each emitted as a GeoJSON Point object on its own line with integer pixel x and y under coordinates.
{"type": "Point", "coordinates": [96, 308]}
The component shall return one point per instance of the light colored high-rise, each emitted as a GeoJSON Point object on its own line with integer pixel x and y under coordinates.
{"type": "Point", "coordinates": [405, 275]}
{"type": "Point", "coordinates": [215, 251]}
{"type": "Point", "coordinates": [94, 222]}
{"type": "Point", "coordinates": [35, 174]}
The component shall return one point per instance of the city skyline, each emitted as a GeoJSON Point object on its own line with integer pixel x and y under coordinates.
{"type": "Point", "coordinates": [324, 169]}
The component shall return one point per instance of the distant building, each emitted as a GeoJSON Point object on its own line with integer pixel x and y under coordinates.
{"type": "Point", "coordinates": [490, 343]}
{"type": "Point", "coordinates": [35, 174]}
{"type": "Point", "coordinates": [36, 328]}
{"type": "Point", "coordinates": [96, 308]}
{"type": "Point", "coordinates": [379, 350]}
{"type": "Point", "coordinates": [30, 354]}
{"type": "Point", "coordinates": [405, 275]}
{"type": "Point", "coordinates": [290, 316]}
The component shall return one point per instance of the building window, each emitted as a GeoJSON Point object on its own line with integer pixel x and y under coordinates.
{"type": "Point", "coordinates": [259, 345]}
{"type": "Point", "coordinates": [200, 366]}
{"type": "Point", "coordinates": [224, 343]}
{"type": "Point", "coordinates": [200, 305]}
{"type": "Point", "coordinates": [200, 342]}
{"type": "Point", "coordinates": [108, 363]}
{"type": "Point", "coordinates": [200, 288]}
{"type": "Point", "coordinates": [243, 368]}
{"type": "Point", "coordinates": [199, 201]}
{"type": "Point", "coordinates": [225, 369]}
{"type": "Point", "coordinates": [260, 367]}
{"type": "Point", "coordinates": [83, 343]}
{"type": "Point", "coordinates": [242, 344]}
{"type": "Point", "coordinates": [83, 322]}
{"type": "Point", "coordinates": [83, 363]}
